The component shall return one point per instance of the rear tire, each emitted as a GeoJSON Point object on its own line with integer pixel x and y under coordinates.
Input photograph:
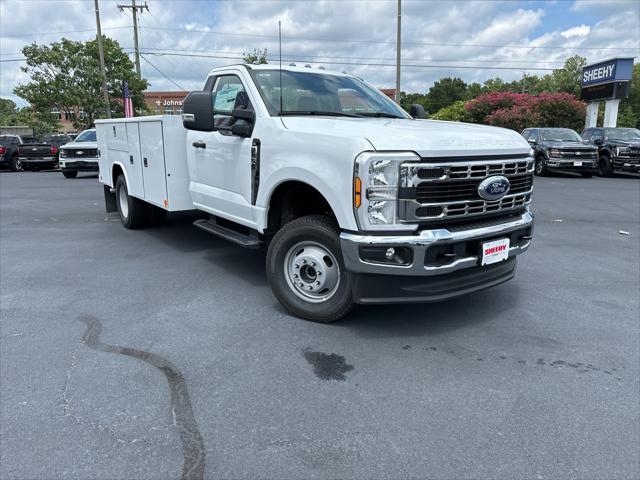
{"type": "Point", "coordinates": [133, 212]}
{"type": "Point", "coordinates": [605, 169]}
{"type": "Point", "coordinates": [540, 168]}
{"type": "Point", "coordinates": [306, 271]}
{"type": "Point", "coordinates": [70, 173]}
{"type": "Point", "coordinates": [16, 165]}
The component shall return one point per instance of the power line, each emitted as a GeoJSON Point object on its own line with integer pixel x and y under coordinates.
{"type": "Point", "coordinates": [35, 34]}
{"type": "Point", "coordinates": [161, 73]}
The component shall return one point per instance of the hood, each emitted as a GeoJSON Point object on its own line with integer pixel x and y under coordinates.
{"type": "Point", "coordinates": [428, 138]}
{"type": "Point", "coordinates": [624, 143]}
{"type": "Point", "coordinates": [80, 145]}
{"type": "Point", "coordinates": [572, 145]}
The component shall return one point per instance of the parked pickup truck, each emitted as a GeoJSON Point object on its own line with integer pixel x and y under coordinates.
{"type": "Point", "coordinates": [9, 151]}
{"type": "Point", "coordinates": [79, 155]}
{"type": "Point", "coordinates": [619, 149]}
{"type": "Point", "coordinates": [354, 200]}
{"type": "Point", "coordinates": [37, 156]}
{"type": "Point", "coordinates": [561, 149]}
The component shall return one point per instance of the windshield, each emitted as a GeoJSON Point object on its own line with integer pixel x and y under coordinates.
{"type": "Point", "coordinates": [622, 133]}
{"type": "Point", "coordinates": [87, 136]}
{"type": "Point", "coordinates": [56, 139]}
{"type": "Point", "coordinates": [560, 135]}
{"type": "Point", "coordinates": [318, 93]}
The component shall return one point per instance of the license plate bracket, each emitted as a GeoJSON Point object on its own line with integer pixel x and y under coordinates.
{"type": "Point", "coordinates": [494, 251]}
{"type": "Point", "coordinates": [577, 164]}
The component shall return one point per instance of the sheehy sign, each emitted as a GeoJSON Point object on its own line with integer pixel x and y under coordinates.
{"type": "Point", "coordinates": [616, 69]}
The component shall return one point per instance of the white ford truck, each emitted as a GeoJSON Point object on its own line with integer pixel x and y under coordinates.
{"type": "Point", "coordinates": [355, 200]}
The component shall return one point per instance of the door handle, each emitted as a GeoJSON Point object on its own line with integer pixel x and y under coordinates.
{"type": "Point", "coordinates": [144, 161]}
{"type": "Point", "coordinates": [131, 159]}
{"type": "Point", "coordinates": [199, 144]}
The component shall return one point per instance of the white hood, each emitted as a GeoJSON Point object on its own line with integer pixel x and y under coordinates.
{"type": "Point", "coordinates": [428, 138]}
{"type": "Point", "coordinates": [80, 145]}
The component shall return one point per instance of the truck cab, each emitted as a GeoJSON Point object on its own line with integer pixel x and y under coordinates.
{"type": "Point", "coordinates": [354, 200]}
{"type": "Point", "coordinates": [618, 149]}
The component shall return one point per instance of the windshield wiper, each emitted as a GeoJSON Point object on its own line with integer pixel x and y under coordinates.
{"type": "Point", "coordinates": [379, 114]}
{"type": "Point", "coordinates": [315, 112]}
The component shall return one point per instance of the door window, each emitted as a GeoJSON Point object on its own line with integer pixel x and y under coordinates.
{"type": "Point", "coordinates": [228, 94]}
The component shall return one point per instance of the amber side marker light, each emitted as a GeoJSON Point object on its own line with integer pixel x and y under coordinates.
{"type": "Point", "coordinates": [357, 192]}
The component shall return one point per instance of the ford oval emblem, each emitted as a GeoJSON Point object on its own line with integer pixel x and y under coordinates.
{"type": "Point", "coordinates": [494, 188]}
{"type": "Point", "coordinates": [79, 152]}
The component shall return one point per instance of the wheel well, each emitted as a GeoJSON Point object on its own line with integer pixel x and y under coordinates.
{"type": "Point", "coordinates": [115, 173]}
{"type": "Point", "coordinates": [293, 200]}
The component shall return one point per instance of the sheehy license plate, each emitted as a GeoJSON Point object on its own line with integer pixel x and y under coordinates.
{"type": "Point", "coordinates": [577, 164]}
{"type": "Point", "coordinates": [495, 251]}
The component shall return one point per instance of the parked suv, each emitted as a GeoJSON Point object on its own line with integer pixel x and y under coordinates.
{"type": "Point", "coordinates": [561, 149]}
{"type": "Point", "coordinates": [81, 155]}
{"type": "Point", "coordinates": [619, 149]}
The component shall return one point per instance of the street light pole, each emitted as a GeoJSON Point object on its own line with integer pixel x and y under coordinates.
{"type": "Point", "coordinates": [103, 70]}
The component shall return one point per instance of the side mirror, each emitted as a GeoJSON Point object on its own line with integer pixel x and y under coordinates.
{"type": "Point", "coordinates": [198, 112]}
{"type": "Point", "coordinates": [597, 141]}
{"type": "Point", "coordinates": [417, 111]}
{"type": "Point", "coordinates": [532, 141]}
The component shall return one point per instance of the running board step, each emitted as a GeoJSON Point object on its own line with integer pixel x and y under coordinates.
{"type": "Point", "coordinates": [238, 238]}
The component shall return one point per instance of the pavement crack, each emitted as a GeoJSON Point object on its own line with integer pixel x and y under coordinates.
{"type": "Point", "coordinates": [193, 450]}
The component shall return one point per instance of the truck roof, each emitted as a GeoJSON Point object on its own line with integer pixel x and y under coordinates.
{"type": "Point", "coordinates": [276, 66]}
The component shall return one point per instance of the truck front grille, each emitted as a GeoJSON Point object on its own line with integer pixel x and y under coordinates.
{"type": "Point", "coordinates": [441, 191]}
{"type": "Point", "coordinates": [578, 153]}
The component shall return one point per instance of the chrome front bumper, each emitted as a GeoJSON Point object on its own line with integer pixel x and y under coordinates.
{"type": "Point", "coordinates": [420, 243]}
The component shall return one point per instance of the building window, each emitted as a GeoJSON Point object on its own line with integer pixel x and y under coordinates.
{"type": "Point", "coordinates": [179, 111]}
{"type": "Point", "coordinates": [168, 110]}
{"type": "Point", "coordinates": [56, 113]}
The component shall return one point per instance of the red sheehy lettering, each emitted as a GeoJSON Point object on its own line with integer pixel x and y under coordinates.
{"type": "Point", "coordinates": [491, 250]}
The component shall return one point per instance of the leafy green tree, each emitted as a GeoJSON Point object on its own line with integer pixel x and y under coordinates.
{"type": "Point", "coordinates": [258, 57]}
{"type": "Point", "coordinates": [408, 99]}
{"type": "Point", "coordinates": [41, 123]}
{"type": "Point", "coordinates": [444, 92]}
{"type": "Point", "coordinates": [567, 79]}
{"type": "Point", "coordinates": [66, 75]}
{"type": "Point", "coordinates": [454, 112]}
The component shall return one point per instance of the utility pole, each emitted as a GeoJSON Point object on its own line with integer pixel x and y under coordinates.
{"type": "Point", "coordinates": [134, 10]}
{"type": "Point", "coordinates": [398, 41]}
{"type": "Point", "coordinates": [105, 91]}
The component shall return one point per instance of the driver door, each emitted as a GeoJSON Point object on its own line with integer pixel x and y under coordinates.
{"type": "Point", "coordinates": [220, 161]}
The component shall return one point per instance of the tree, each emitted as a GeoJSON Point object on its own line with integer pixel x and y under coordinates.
{"type": "Point", "coordinates": [258, 57]}
{"type": "Point", "coordinates": [40, 122]}
{"type": "Point", "coordinates": [66, 75]}
{"type": "Point", "coordinates": [444, 92]}
{"type": "Point", "coordinates": [454, 112]}
{"type": "Point", "coordinates": [629, 111]}
{"type": "Point", "coordinates": [568, 78]}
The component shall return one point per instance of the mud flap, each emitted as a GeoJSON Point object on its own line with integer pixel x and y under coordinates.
{"type": "Point", "coordinates": [110, 200]}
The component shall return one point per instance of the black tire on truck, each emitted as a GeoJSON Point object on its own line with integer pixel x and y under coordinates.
{"type": "Point", "coordinates": [70, 173]}
{"type": "Point", "coordinates": [133, 212]}
{"type": "Point", "coordinates": [587, 174]}
{"type": "Point", "coordinates": [306, 271]}
{"type": "Point", "coordinates": [605, 169]}
{"type": "Point", "coordinates": [15, 164]}
{"type": "Point", "coordinates": [540, 167]}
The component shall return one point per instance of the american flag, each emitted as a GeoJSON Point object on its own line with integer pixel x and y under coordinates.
{"type": "Point", "coordinates": [128, 103]}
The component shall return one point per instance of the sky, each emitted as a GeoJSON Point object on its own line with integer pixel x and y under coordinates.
{"type": "Point", "coordinates": [181, 40]}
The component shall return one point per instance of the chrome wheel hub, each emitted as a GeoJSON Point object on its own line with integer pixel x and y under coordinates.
{"type": "Point", "coordinates": [124, 204]}
{"type": "Point", "coordinates": [312, 272]}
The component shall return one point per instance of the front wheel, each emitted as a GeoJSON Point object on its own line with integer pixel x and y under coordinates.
{"type": "Point", "coordinates": [70, 173]}
{"type": "Point", "coordinates": [541, 167]}
{"type": "Point", "coordinates": [306, 272]}
{"type": "Point", "coordinates": [605, 169]}
{"type": "Point", "coordinates": [16, 165]}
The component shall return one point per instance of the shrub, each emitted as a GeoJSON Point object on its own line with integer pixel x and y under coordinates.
{"type": "Point", "coordinates": [455, 112]}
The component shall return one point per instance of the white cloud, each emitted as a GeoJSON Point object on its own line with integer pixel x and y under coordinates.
{"type": "Point", "coordinates": [579, 31]}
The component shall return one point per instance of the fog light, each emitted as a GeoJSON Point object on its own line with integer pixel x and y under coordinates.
{"type": "Point", "coordinates": [390, 253]}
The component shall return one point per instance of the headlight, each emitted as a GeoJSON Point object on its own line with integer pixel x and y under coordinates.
{"type": "Point", "coordinates": [63, 153]}
{"type": "Point", "coordinates": [623, 151]}
{"type": "Point", "coordinates": [554, 152]}
{"type": "Point", "coordinates": [376, 189]}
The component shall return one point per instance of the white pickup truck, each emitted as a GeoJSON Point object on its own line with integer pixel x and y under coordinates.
{"type": "Point", "coordinates": [355, 200]}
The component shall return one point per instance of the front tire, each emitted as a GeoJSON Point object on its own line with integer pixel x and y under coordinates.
{"type": "Point", "coordinates": [306, 271]}
{"type": "Point", "coordinates": [605, 169]}
{"type": "Point", "coordinates": [70, 173]}
{"type": "Point", "coordinates": [133, 213]}
{"type": "Point", "coordinates": [541, 167]}
{"type": "Point", "coordinates": [16, 165]}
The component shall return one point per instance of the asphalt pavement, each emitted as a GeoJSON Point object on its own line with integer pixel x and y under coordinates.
{"type": "Point", "coordinates": [162, 353]}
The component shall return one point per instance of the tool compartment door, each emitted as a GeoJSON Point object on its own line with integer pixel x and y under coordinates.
{"type": "Point", "coordinates": [153, 167]}
{"type": "Point", "coordinates": [133, 163]}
